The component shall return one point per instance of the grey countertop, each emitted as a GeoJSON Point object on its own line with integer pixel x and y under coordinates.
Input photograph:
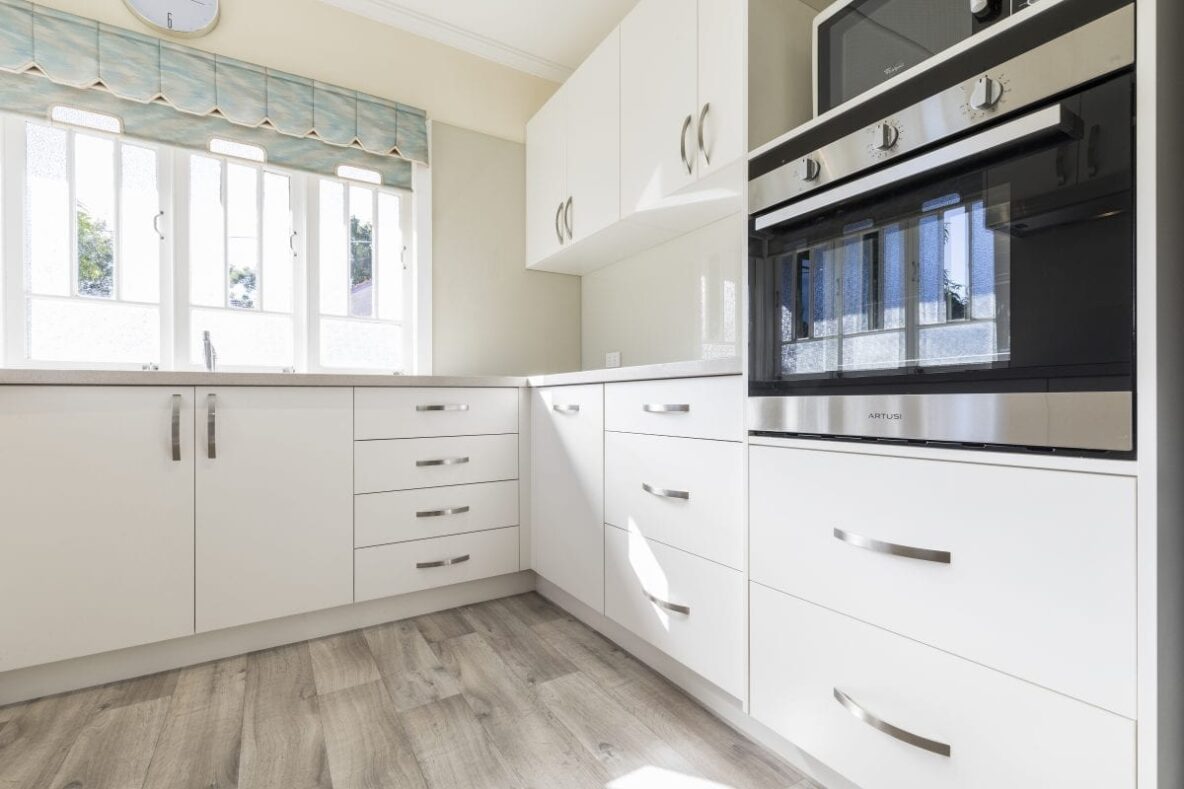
{"type": "Point", "coordinates": [645, 372]}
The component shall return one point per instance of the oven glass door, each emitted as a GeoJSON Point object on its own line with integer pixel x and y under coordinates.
{"type": "Point", "coordinates": [1004, 274]}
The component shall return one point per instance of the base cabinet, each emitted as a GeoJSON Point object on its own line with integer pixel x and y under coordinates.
{"type": "Point", "coordinates": [96, 535]}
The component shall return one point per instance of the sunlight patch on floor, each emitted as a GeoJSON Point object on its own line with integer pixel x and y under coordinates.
{"type": "Point", "coordinates": [651, 777]}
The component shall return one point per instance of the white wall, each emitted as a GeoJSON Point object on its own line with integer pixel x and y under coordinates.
{"type": "Point", "coordinates": [491, 315]}
{"type": "Point", "coordinates": [675, 302]}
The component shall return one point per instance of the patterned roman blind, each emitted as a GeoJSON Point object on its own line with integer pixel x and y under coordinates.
{"type": "Point", "coordinates": [182, 96]}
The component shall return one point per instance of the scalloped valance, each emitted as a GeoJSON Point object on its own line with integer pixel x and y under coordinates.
{"type": "Point", "coordinates": [88, 57]}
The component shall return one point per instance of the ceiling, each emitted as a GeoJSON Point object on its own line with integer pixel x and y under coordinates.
{"type": "Point", "coordinates": [547, 38]}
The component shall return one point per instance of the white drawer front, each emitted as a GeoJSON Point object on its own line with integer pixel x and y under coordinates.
{"type": "Point", "coordinates": [691, 407]}
{"type": "Point", "coordinates": [402, 464]}
{"type": "Point", "coordinates": [1041, 575]}
{"type": "Point", "coordinates": [1001, 732]}
{"type": "Point", "coordinates": [710, 639]}
{"type": "Point", "coordinates": [419, 413]}
{"type": "Point", "coordinates": [399, 516]}
{"type": "Point", "coordinates": [681, 491]}
{"type": "Point", "coordinates": [388, 570]}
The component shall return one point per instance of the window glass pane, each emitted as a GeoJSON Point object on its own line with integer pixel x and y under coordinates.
{"type": "Point", "coordinates": [361, 345]}
{"type": "Point", "coordinates": [92, 331]}
{"type": "Point", "coordinates": [207, 267]}
{"type": "Point", "coordinates": [359, 174]}
{"type": "Point", "coordinates": [390, 258]}
{"type": "Point", "coordinates": [139, 244]}
{"type": "Point", "coordinates": [242, 338]}
{"type": "Point", "coordinates": [278, 261]}
{"type": "Point", "coordinates": [47, 212]}
{"type": "Point", "coordinates": [242, 248]}
{"type": "Point", "coordinates": [94, 189]}
{"type": "Point", "coordinates": [332, 248]}
{"type": "Point", "coordinates": [361, 253]}
{"type": "Point", "coordinates": [93, 120]}
{"type": "Point", "coordinates": [238, 149]}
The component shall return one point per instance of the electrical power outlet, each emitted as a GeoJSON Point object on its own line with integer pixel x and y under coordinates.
{"type": "Point", "coordinates": [612, 359]}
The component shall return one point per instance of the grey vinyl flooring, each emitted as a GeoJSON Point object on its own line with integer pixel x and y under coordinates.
{"type": "Point", "coordinates": [507, 694]}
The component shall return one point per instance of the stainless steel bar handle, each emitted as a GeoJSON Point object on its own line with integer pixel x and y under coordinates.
{"type": "Point", "coordinates": [566, 409]}
{"type": "Point", "coordinates": [212, 426]}
{"type": "Point", "coordinates": [915, 740]}
{"type": "Point", "coordinates": [666, 408]}
{"type": "Point", "coordinates": [156, 224]}
{"type": "Point", "coordinates": [892, 549]}
{"type": "Point", "coordinates": [665, 493]}
{"type": "Point", "coordinates": [675, 607]}
{"type": "Point", "coordinates": [443, 512]}
{"type": "Point", "coordinates": [441, 462]}
{"type": "Point", "coordinates": [558, 229]}
{"type": "Point", "coordinates": [567, 219]}
{"type": "Point", "coordinates": [176, 428]}
{"type": "Point", "coordinates": [702, 146]}
{"type": "Point", "coordinates": [441, 563]}
{"type": "Point", "coordinates": [423, 408]}
{"type": "Point", "coordinates": [686, 125]}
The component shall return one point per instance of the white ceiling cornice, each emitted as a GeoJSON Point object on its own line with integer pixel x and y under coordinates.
{"type": "Point", "coordinates": [392, 13]}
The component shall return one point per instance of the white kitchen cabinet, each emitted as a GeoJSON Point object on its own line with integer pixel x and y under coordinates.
{"type": "Point", "coordinates": [96, 541]}
{"type": "Point", "coordinates": [567, 489]}
{"type": "Point", "coordinates": [546, 179]}
{"type": "Point", "coordinates": [723, 28]}
{"type": "Point", "coordinates": [274, 482]}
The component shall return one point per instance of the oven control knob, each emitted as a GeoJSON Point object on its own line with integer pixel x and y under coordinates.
{"type": "Point", "coordinates": [808, 169]}
{"type": "Point", "coordinates": [885, 136]}
{"type": "Point", "coordinates": [982, 9]}
{"type": "Point", "coordinates": [986, 93]}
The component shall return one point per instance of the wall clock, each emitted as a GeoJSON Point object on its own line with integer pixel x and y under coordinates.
{"type": "Point", "coordinates": [188, 18]}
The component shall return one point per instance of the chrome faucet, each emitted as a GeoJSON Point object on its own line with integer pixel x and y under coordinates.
{"type": "Point", "coordinates": [211, 354]}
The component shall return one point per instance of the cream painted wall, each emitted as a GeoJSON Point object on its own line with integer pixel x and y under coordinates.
{"type": "Point", "coordinates": [675, 302]}
{"type": "Point", "coordinates": [490, 315]}
{"type": "Point", "coordinates": [316, 40]}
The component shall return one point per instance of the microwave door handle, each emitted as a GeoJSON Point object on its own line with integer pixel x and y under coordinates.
{"type": "Point", "coordinates": [1048, 122]}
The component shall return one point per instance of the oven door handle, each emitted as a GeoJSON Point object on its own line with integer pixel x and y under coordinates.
{"type": "Point", "coordinates": [1048, 122]}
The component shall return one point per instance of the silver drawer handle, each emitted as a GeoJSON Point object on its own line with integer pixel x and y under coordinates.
{"type": "Point", "coordinates": [212, 426]}
{"type": "Point", "coordinates": [666, 408]}
{"type": "Point", "coordinates": [891, 548]}
{"type": "Point", "coordinates": [666, 494]}
{"type": "Point", "coordinates": [702, 122]}
{"type": "Point", "coordinates": [176, 428]}
{"type": "Point", "coordinates": [443, 512]}
{"type": "Point", "coordinates": [441, 563]}
{"type": "Point", "coordinates": [915, 740]}
{"type": "Point", "coordinates": [566, 409]}
{"type": "Point", "coordinates": [441, 462]}
{"type": "Point", "coordinates": [422, 408]}
{"type": "Point", "coordinates": [675, 607]}
{"type": "Point", "coordinates": [682, 142]}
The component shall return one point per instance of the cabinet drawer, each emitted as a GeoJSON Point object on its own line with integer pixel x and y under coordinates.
{"type": "Point", "coordinates": [399, 516]}
{"type": "Point", "coordinates": [691, 407]}
{"type": "Point", "coordinates": [1000, 731]}
{"type": "Point", "coordinates": [683, 492]}
{"type": "Point", "coordinates": [690, 608]}
{"type": "Point", "coordinates": [1040, 579]}
{"type": "Point", "coordinates": [421, 413]}
{"type": "Point", "coordinates": [402, 464]}
{"type": "Point", "coordinates": [388, 570]}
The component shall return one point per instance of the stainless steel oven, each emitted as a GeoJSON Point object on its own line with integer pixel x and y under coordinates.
{"type": "Point", "coordinates": [962, 271]}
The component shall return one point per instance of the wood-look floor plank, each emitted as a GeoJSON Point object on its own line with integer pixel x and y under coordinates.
{"type": "Point", "coordinates": [603, 661]}
{"type": "Point", "coordinates": [367, 746]}
{"type": "Point", "coordinates": [442, 625]}
{"type": "Point", "coordinates": [342, 661]}
{"type": "Point", "coordinates": [621, 743]}
{"type": "Point", "coordinates": [283, 744]}
{"type": "Point", "coordinates": [527, 655]}
{"type": "Point", "coordinates": [532, 743]}
{"type": "Point", "coordinates": [410, 669]}
{"type": "Point", "coordinates": [202, 737]}
{"type": "Point", "coordinates": [11, 712]}
{"type": "Point", "coordinates": [452, 749]}
{"type": "Point", "coordinates": [533, 609]}
{"type": "Point", "coordinates": [34, 744]}
{"type": "Point", "coordinates": [115, 747]}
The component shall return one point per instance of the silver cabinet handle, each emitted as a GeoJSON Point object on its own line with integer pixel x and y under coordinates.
{"type": "Point", "coordinates": [156, 224]}
{"type": "Point", "coordinates": [566, 409]}
{"type": "Point", "coordinates": [567, 219]}
{"type": "Point", "coordinates": [441, 563]}
{"type": "Point", "coordinates": [664, 493]}
{"type": "Point", "coordinates": [668, 408]}
{"type": "Point", "coordinates": [558, 229]}
{"type": "Point", "coordinates": [423, 408]}
{"type": "Point", "coordinates": [212, 426]}
{"type": "Point", "coordinates": [675, 607]}
{"type": "Point", "coordinates": [891, 548]}
{"type": "Point", "coordinates": [915, 740]}
{"type": "Point", "coordinates": [686, 125]}
{"type": "Point", "coordinates": [443, 512]}
{"type": "Point", "coordinates": [702, 146]}
{"type": "Point", "coordinates": [176, 428]}
{"type": "Point", "coordinates": [442, 462]}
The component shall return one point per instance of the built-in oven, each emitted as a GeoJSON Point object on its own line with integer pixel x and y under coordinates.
{"type": "Point", "coordinates": [978, 290]}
